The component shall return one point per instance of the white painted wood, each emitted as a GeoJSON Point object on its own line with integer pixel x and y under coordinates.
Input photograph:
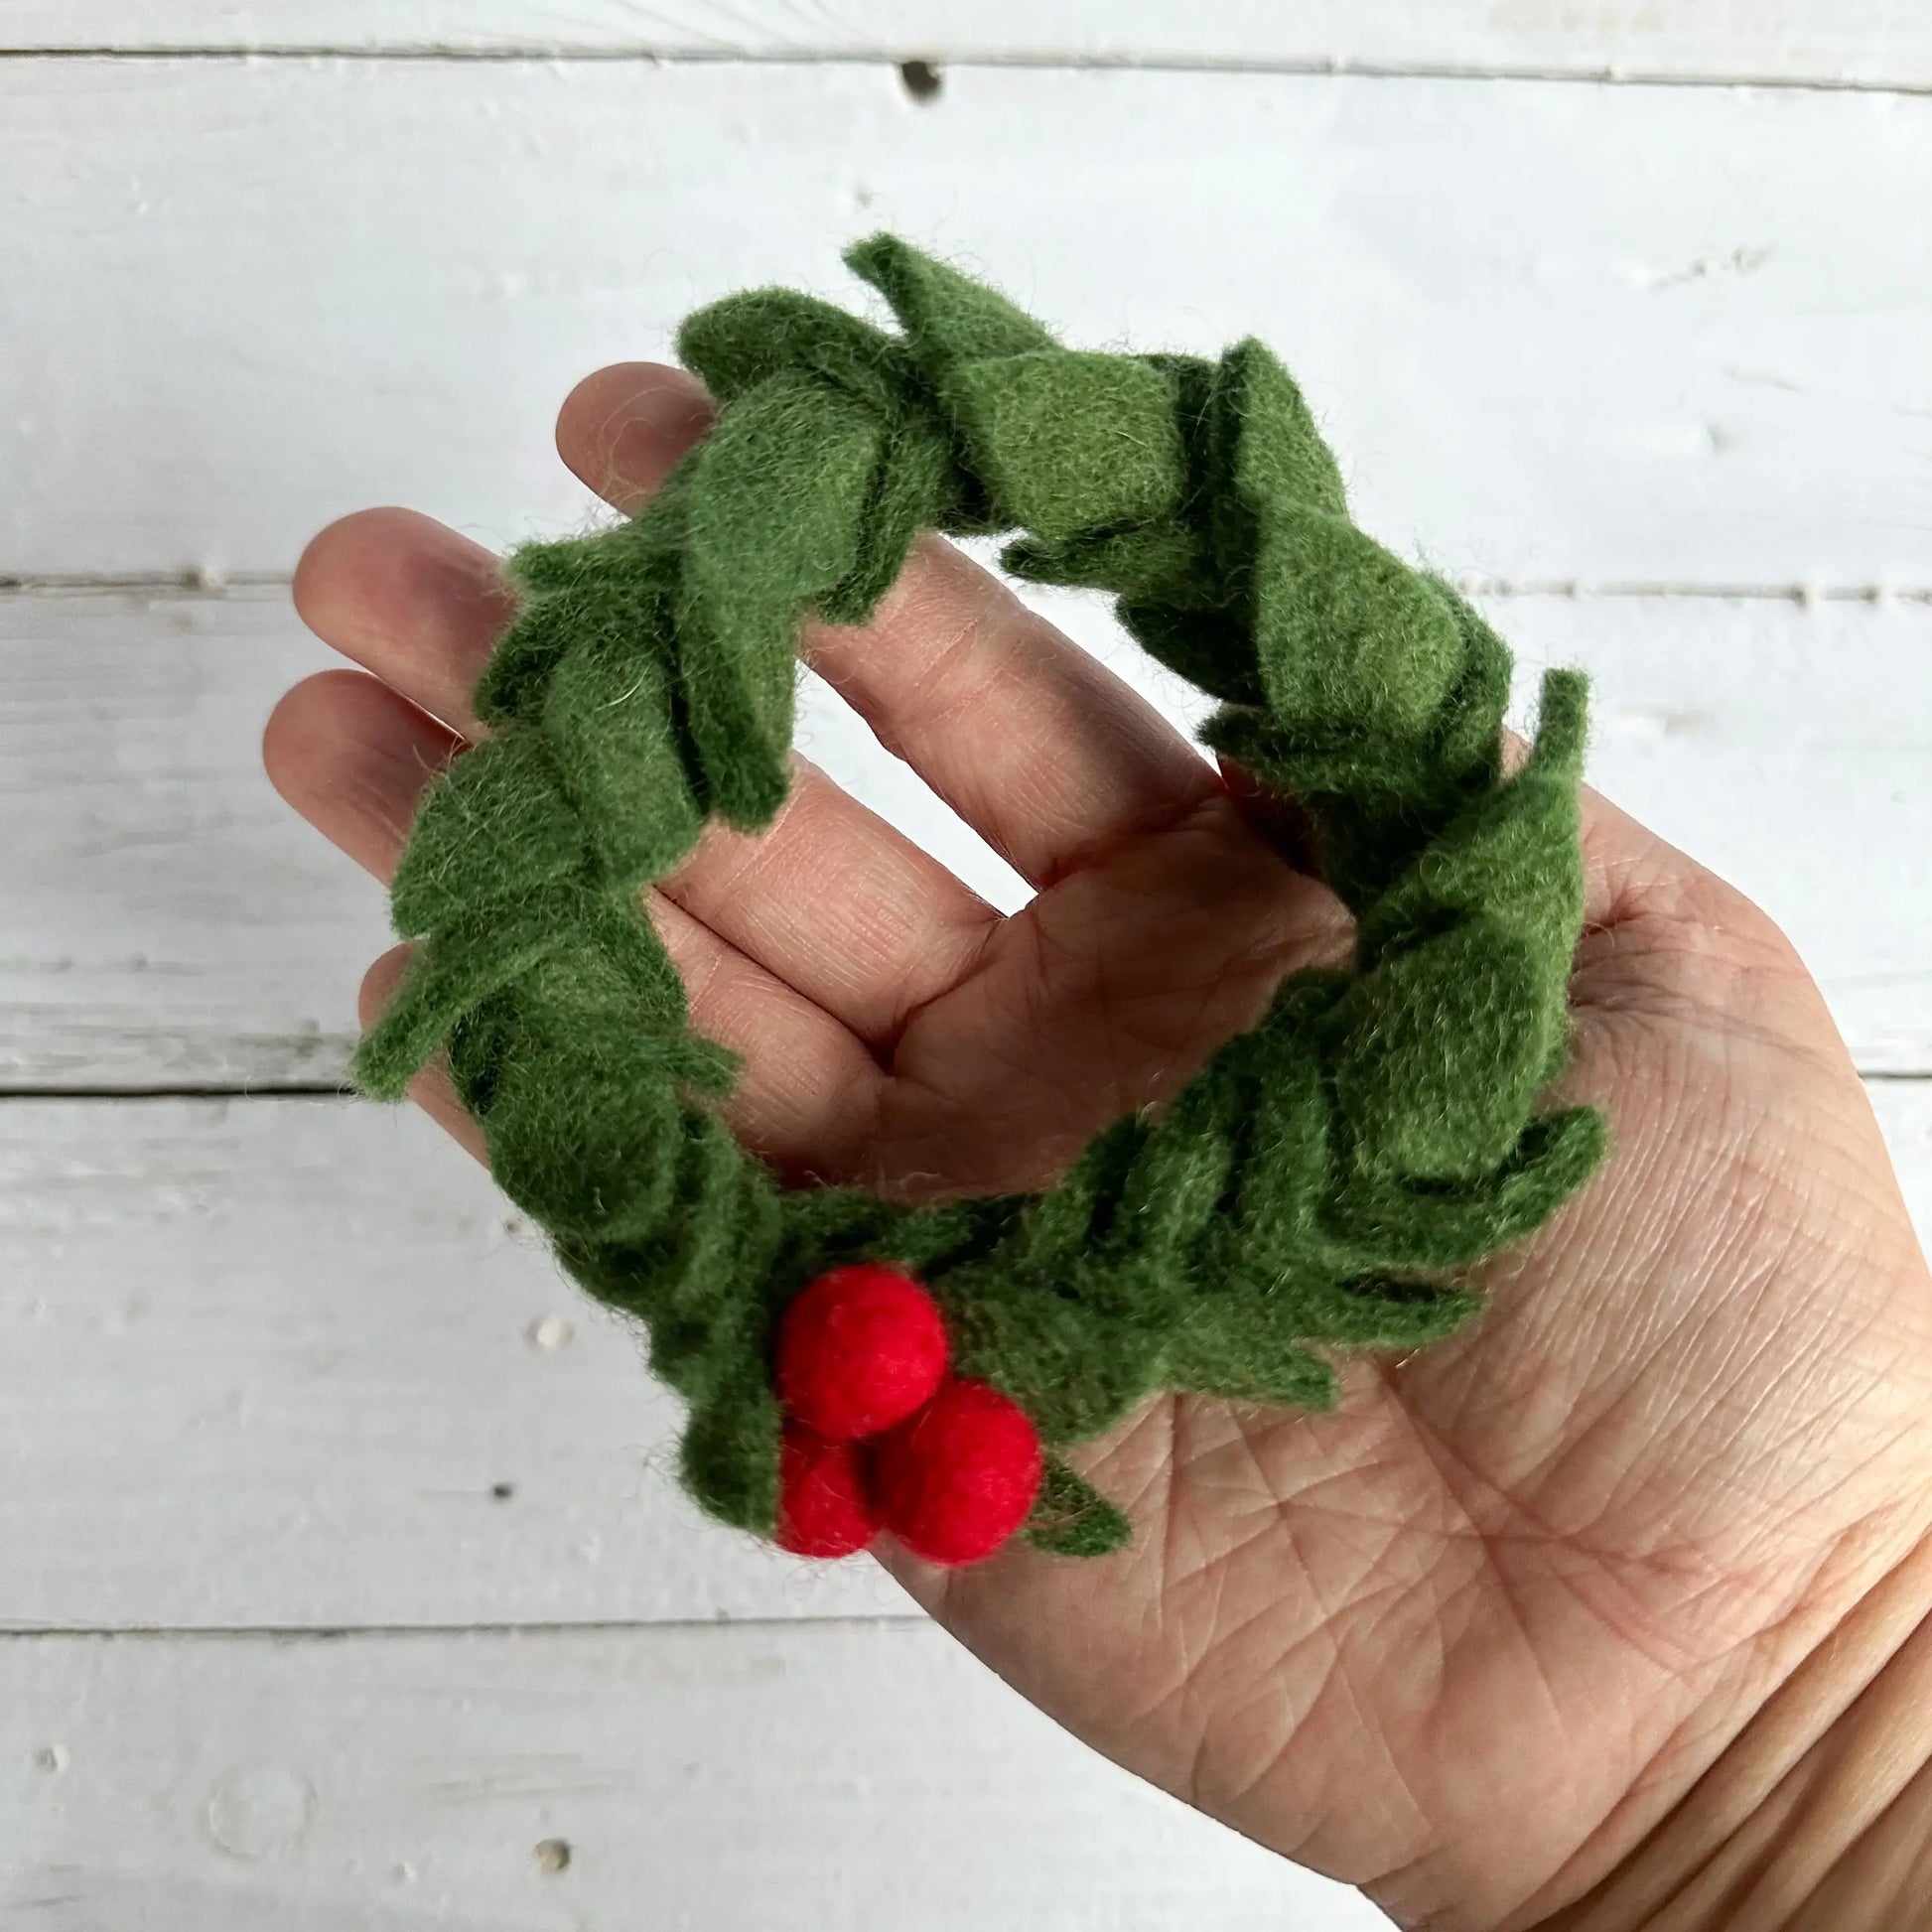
{"type": "Point", "coordinates": [168, 921]}
{"type": "Point", "coordinates": [1654, 333]}
{"type": "Point", "coordinates": [736, 1779]}
{"type": "Point", "coordinates": [267, 1363]}
{"type": "Point", "coordinates": [1821, 41]}
{"type": "Point", "coordinates": [290, 1365]}
{"type": "Point", "coordinates": [263, 1363]}
{"type": "Point", "coordinates": [1788, 748]}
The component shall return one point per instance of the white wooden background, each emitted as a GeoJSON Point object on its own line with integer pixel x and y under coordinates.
{"type": "Point", "coordinates": [341, 1583]}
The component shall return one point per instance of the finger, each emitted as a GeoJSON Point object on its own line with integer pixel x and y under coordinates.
{"type": "Point", "coordinates": [807, 1101]}
{"type": "Point", "coordinates": [1053, 758]}
{"type": "Point", "coordinates": [622, 430]}
{"type": "Point", "coordinates": [840, 905]}
{"type": "Point", "coordinates": [423, 607]}
{"type": "Point", "coordinates": [410, 599]}
{"type": "Point", "coordinates": [352, 758]}
{"type": "Point", "coordinates": [1038, 746]}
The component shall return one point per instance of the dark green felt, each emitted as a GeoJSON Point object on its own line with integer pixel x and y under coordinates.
{"type": "Point", "coordinates": [1310, 1189]}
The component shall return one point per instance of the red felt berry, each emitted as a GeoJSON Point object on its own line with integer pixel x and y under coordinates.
{"type": "Point", "coordinates": [955, 1481]}
{"type": "Point", "coordinates": [825, 1500]}
{"type": "Point", "coordinates": [859, 1350]}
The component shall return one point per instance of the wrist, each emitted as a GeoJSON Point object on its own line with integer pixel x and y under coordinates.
{"type": "Point", "coordinates": [1818, 1814]}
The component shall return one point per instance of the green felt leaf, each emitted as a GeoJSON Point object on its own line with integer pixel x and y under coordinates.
{"type": "Point", "coordinates": [1072, 1518]}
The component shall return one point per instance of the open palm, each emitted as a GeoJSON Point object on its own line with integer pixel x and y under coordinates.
{"type": "Point", "coordinates": [1466, 1640]}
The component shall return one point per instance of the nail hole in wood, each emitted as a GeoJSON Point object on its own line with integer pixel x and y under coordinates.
{"type": "Point", "coordinates": [923, 79]}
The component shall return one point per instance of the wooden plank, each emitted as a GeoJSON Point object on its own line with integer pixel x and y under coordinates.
{"type": "Point", "coordinates": [169, 922]}
{"type": "Point", "coordinates": [1869, 42]}
{"type": "Point", "coordinates": [739, 1779]}
{"type": "Point", "coordinates": [1790, 750]}
{"type": "Point", "coordinates": [295, 1362]}
{"type": "Point", "coordinates": [1621, 333]}
{"type": "Point", "coordinates": [292, 1363]}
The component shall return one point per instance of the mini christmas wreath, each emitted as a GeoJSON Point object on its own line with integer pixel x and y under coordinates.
{"type": "Point", "coordinates": [853, 1364]}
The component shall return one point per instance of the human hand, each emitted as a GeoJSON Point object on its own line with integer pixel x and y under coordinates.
{"type": "Point", "coordinates": [1556, 1622]}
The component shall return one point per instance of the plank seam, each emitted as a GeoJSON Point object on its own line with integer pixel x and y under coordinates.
{"type": "Point", "coordinates": [1802, 594]}
{"type": "Point", "coordinates": [292, 1633]}
{"type": "Point", "coordinates": [537, 52]}
{"type": "Point", "coordinates": [253, 1090]}
{"type": "Point", "coordinates": [193, 585]}
{"type": "Point", "coordinates": [41, 1092]}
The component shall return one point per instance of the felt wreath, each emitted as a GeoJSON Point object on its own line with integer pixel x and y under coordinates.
{"type": "Point", "coordinates": [852, 1362]}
